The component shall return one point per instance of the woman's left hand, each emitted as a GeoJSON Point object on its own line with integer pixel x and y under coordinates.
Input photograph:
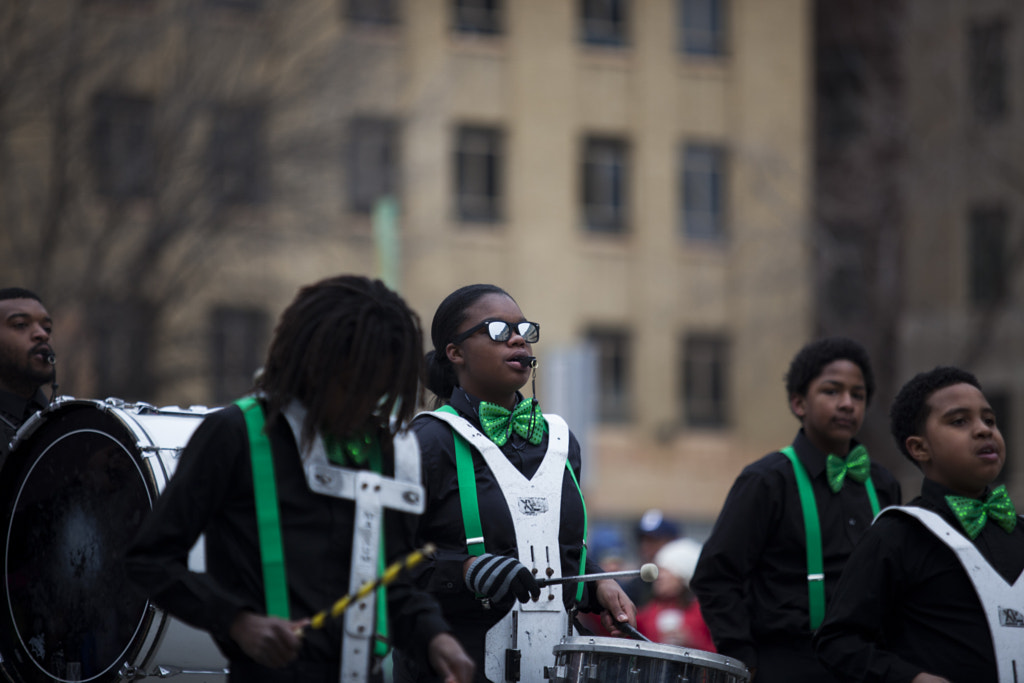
{"type": "Point", "coordinates": [617, 607]}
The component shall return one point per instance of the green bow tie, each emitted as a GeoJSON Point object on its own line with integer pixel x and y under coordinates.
{"type": "Point", "coordinates": [856, 466]}
{"type": "Point", "coordinates": [353, 450]}
{"type": "Point", "coordinates": [525, 420]}
{"type": "Point", "coordinates": [973, 513]}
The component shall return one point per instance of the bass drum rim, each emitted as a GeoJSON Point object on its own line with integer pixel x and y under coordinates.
{"type": "Point", "coordinates": [653, 651]}
{"type": "Point", "coordinates": [80, 444]}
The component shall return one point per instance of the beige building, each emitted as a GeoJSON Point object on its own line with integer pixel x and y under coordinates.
{"type": "Point", "coordinates": [636, 173]}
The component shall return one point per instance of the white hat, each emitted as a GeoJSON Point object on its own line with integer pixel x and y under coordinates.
{"type": "Point", "coordinates": [679, 557]}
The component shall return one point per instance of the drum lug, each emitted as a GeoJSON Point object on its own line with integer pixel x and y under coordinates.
{"type": "Point", "coordinates": [128, 672]}
{"type": "Point", "coordinates": [556, 673]}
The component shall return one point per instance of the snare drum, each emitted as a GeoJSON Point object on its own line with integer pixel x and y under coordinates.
{"type": "Point", "coordinates": [593, 659]}
{"type": "Point", "coordinates": [79, 480]}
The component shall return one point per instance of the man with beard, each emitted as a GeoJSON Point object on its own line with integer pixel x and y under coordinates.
{"type": "Point", "coordinates": [25, 366]}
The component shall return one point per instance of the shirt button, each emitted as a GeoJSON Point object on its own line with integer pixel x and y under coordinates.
{"type": "Point", "coordinates": [449, 585]}
{"type": "Point", "coordinates": [853, 522]}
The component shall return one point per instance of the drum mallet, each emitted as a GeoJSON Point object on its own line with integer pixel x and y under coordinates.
{"type": "Point", "coordinates": [389, 575]}
{"type": "Point", "coordinates": [647, 572]}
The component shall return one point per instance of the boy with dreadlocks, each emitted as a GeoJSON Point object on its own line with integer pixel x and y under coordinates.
{"type": "Point", "coordinates": [792, 519]}
{"type": "Point", "coordinates": [339, 382]}
{"type": "Point", "coordinates": [933, 591]}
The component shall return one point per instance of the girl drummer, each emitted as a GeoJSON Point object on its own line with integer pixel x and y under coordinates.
{"type": "Point", "coordinates": [503, 499]}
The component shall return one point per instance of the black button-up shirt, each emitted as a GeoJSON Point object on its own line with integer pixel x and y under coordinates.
{"type": "Point", "coordinates": [442, 524]}
{"type": "Point", "coordinates": [751, 579]}
{"type": "Point", "coordinates": [14, 411]}
{"type": "Point", "coordinates": [905, 605]}
{"type": "Point", "coordinates": [212, 492]}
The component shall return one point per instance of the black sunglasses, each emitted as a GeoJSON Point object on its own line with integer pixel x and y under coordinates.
{"type": "Point", "coordinates": [501, 331]}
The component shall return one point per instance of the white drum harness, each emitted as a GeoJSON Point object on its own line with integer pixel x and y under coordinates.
{"type": "Point", "coordinates": [519, 646]}
{"type": "Point", "coordinates": [371, 492]}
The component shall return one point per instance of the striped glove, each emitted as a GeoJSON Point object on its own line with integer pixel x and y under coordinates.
{"type": "Point", "coordinates": [495, 576]}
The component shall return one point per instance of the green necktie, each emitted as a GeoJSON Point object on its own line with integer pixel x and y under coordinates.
{"type": "Point", "coordinates": [973, 513]}
{"type": "Point", "coordinates": [856, 466]}
{"type": "Point", "coordinates": [525, 420]}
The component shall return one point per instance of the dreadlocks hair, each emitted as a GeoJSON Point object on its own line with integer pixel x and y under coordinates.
{"type": "Point", "coordinates": [808, 363]}
{"type": "Point", "coordinates": [18, 293]}
{"type": "Point", "coordinates": [438, 372]}
{"type": "Point", "coordinates": [909, 411]}
{"type": "Point", "coordinates": [347, 348]}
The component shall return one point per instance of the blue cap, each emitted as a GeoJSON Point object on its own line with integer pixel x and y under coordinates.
{"type": "Point", "coordinates": [654, 523]}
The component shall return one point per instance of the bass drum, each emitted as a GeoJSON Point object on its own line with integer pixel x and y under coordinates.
{"type": "Point", "coordinates": [80, 478]}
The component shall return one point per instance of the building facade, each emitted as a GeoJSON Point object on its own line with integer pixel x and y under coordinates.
{"type": "Point", "coordinates": [636, 173]}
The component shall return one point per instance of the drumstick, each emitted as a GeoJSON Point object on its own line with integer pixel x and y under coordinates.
{"type": "Point", "coordinates": [628, 628]}
{"type": "Point", "coordinates": [389, 575]}
{"type": "Point", "coordinates": [648, 572]}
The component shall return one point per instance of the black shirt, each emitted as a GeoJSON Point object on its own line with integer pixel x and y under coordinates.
{"type": "Point", "coordinates": [751, 578]}
{"type": "Point", "coordinates": [442, 524]}
{"type": "Point", "coordinates": [905, 605]}
{"type": "Point", "coordinates": [14, 411]}
{"type": "Point", "coordinates": [212, 492]}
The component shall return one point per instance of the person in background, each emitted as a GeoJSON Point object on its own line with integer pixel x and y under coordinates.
{"type": "Point", "coordinates": [933, 593]}
{"type": "Point", "coordinates": [339, 383]}
{"type": "Point", "coordinates": [653, 531]}
{"type": "Point", "coordinates": [673, 616]}
{"type": "Point", "coordinates": [503, 503]}
{"type": "Point", "coordinates": [25, 360]}
{"type": "Point", "coordinates": [791, 520]}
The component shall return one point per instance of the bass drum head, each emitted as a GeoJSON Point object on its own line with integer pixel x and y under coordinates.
{"type": "Point", "coordinates": [73, 494]}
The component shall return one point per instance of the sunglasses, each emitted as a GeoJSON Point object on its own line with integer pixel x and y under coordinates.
{"type": "Point", "coordinates": [501, 331]}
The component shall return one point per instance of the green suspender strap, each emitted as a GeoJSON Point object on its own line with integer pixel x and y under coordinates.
{"type": "Point", "coordinates": [275, 585]}
{"type": "Point", "coordinates": [812, 530]}
{"type": "Point", "coordinates": [471, 507]}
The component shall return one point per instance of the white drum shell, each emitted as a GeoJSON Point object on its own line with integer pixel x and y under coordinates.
{"type": "Point", "coordinates": [595, 659]}
{"type": "Point", "coordinates": [145, 442]}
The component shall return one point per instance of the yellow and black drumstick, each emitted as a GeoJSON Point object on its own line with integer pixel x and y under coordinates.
{"type": "Point", "coordinates": [389, 575]}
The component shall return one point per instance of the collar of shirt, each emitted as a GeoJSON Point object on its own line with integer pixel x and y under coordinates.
{"type": "Point", "coordinates": [20, 408]}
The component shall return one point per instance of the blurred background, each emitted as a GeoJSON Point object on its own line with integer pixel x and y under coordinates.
{"type": "Point", "coordinates": [682, 193]}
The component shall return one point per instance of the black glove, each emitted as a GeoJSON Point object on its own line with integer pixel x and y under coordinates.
{"type": "Point", "coordinates": [495, 576]}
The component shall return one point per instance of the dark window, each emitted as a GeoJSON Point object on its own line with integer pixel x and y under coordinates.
{"type": "Point", "coordinates": [605, 185]}
{"type": "Point", "coordinates": [604, 22]}
{"type": "Point", "coordinates": [841, 72]}
{"type": "Point", "coordinates": [250, 5]}
{"type": "Point", "coordinates": [372, 11]}
{"type": "Point", "coordinates": [236, 153]}
{"type": "Point", "coordinates": [124, 146]}
{"type": "Point", "coordinates": [238, 338]}
{"type": "Point", "coordinates": [477, 16]}
{"type": "Point", "coordinates": [705, 380]}
{"type": "Point", "coordinates": [1002, 406]}
{"type": "Point", "coordinates": [704, 192]}
{"type": "Point", "coordinates": [478, 174]}
{"type": "Point", "coordinates": [613, 373]}
{"type": "Point", "coordinates": [987, 252]}
{"type": "Point", "coordinates": [988, 69]}
{"type": "Point", "coordinates": [373, 162]}
{"type": "Point", "coordinates": [123, 346]}
{"type": "Point", "coordinates": [703, 26]}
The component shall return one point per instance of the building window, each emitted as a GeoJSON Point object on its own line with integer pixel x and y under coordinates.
{"type": "Point", "coordinates": [236, 156]}
{"type": "Point", "coordinates": [372, 162]}
{"type": "Point", "coordinates": [988, 69]}
{"type": "Point", "coordinates": [238, 338]}
{"type": "Point", "coordinates": [248, 5]}
{"type": "Point", "coordinates": [372, 11]}
{"type": "Point", "coordinates": [124, 146]}
{"type": "Point", "coordinates": [123, 336]}
{"type": "Point", "coordinates": [477, 16]}
{"type": "Point", "coordinates": [478, 174]}
{"type": "Point", "coordinates": [605, 185]}
{"type": "Point", "coordinates": [612, 347]}
{"type": "Point", "coordinates": [705, 380]}
{"type": "Point", "coordinates": [987, 251]}
{"type": "Point", "coordinates": [1002, 406]}
{"type": "Point", "coordinates": [604, 22]}
{"type": "Point", "coordinates": [702, 26]}
{"type": "Point", "coordinates": [704, 192]}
